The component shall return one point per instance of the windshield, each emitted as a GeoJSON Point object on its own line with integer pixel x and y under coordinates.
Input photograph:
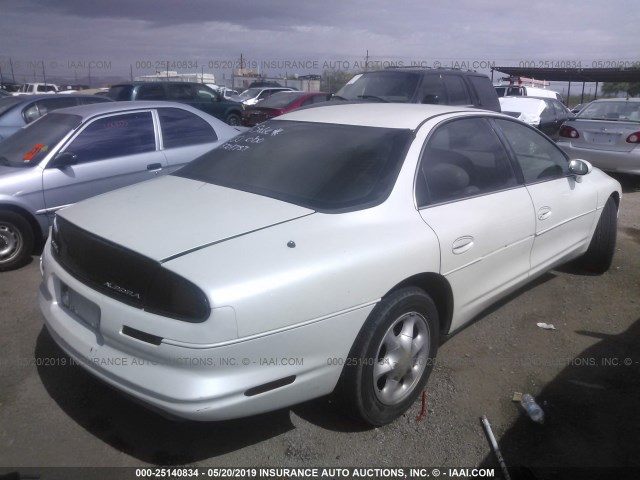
{"type": "Point", "coordinates": [622, 110]}
{"type": "Point", "coordinates": [319, 166]}
{"type": "Point", "coordinates": [29, 145]}
{"type": "Point", "coordinates": [250, 93]}
{"type": "Point", "coordinates": [396, 87]}
{"type": "Point", "coordinates": [281, 99]}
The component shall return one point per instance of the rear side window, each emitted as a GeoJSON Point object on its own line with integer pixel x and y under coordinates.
{"type": "Point", "coordinates": [457, 90]}
{"type": "Point", "coordinates": [433, 91]}
{"type": "Point", "coordinates": [120, 93]}
{"type": "Point", "coordinates": [151, 92]}
{"type": "Point", "coordinates": [539, 158]}
{"type": "Point", "coordinates": [180, 92]}
{"type": "Point", "coordinates": [181, 128]}
{"type": "Point", "coordinates": [487, 97]}
{"type": "Point", "coordinates": [463, 158]}
{"type": "Point", "coordinates": [115, 136]}
{"type": "Point", "coordinates": [203, 93]}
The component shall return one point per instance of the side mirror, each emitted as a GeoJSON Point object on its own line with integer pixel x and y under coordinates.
{"type": "Point", "coordinates": [63, 159]}
{"type": "Point", "coordinates": [579, 168]}
{"type": "Point", "coordinates": [431, 99]}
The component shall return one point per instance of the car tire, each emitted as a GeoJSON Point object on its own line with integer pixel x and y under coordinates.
{"type": "Point", "coordinates": [233, 119]}
{"type": "Point", "coordinates": [392, 357]}
{"type": "Point", "coordinates": [600, 253]}
{"type": "Point", "coordinates": [16, 240]}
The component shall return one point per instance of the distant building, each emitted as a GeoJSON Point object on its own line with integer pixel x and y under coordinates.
{"type": "Point", "coordinates": [172, 76]}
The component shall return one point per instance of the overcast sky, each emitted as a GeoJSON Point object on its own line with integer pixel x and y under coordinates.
{"type": "Point", "coordinates": [117, 36]}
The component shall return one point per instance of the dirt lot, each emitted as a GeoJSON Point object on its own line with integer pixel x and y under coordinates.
{"type": "Point", "coordinates": [586, 375]}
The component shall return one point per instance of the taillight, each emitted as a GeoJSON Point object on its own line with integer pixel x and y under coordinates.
{"type": "Point", "coordinates": [634, 138]}
{"type": "Point", "coordinates": [569, 132]}
{"type": "Point", "coordinates": [173, 296]}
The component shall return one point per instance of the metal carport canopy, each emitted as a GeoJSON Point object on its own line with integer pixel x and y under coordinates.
{"type": "Point", "coordinates": [574, 74]}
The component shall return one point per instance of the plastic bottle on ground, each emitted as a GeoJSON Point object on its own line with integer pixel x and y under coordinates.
{"type": "Point", "coordinates": [533, 409]}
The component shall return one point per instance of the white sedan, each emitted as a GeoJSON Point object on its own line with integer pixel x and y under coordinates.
{"type": "Point", "coordinates": [329, 249]}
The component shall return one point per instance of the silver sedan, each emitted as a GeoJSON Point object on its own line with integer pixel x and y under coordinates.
{"type": "Point", "coordinates": [75, 153]}
{"type": "Point", "coordinates": [606, 133]}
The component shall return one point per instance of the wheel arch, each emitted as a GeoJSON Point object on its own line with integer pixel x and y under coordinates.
{"type": "Point", "coordinates": [38, 235]}
{"type": "Point", "coordinates": [439, 289]}
{"type": "Point", "coordinates": [616, 198]}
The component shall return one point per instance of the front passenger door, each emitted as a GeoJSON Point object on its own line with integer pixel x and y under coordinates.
{"type": "Point", "coordinates": [564, 208]}
{"type": "Point", "coordinates": [113, 151]}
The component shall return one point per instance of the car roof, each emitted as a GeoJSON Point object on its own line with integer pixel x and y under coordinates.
{"type": "Point", "coordinates": [430, 70]}
{"type": "Point", "coordinates": [158, 82]}
{"type": "Point", "coordinates": [86, 111]}
{"type": "Point", "coordinates": [35, 98]}
{"type": "Point", "coordinates": [387, 115]}
{"type": "Point", "coordinates": [620, 99]}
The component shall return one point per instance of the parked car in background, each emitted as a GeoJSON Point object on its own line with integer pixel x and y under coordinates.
{"type": "Point", "coordinates": [328, 249]}
{"type": "Point", "coordinates": [578, 107]}
{"type": "Point", "coordinates": [251, 96]}
{"type": "Point", "coordinates": [75, 153]}
{"type": "Point", "coordinates": [16, 112]}
{"type": "Point", "coordinates": [546, 114]}
{"type": "Point", "coordinates": [422, 85]}
{"type": "Point", "coordinates": [35, 88]}
{"type": "Point", "coordinates": [224, 91]}
{"type": "Point", "coordinates": [279, 103]}
{"type": "Point", "coordinates": [525, 91]}
{"type": "Point", "coordinates": [197, 95]}
{"type": "Point", "coordinates": [606, 133]}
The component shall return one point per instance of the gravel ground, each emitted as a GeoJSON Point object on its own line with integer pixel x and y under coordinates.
{"type": "Point", "coordinates": [52, 415]}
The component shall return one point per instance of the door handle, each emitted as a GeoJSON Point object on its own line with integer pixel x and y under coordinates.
{"type": "Point", "coordinates": [544, 213]}
{"type": "Point", "coordinates": [462, 244]}
{"type": "Point", "coordinates": [154, 167]}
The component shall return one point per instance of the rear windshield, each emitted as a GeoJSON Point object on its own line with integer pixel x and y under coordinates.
{"type": "Point", "coordinates": [29, 145]}
{"type": "Point", "coordinates": [384, 86]}
{"type": "Point", "coordinates": [622, 110]}
{"type": "Point", "coordinates": [320, 166]}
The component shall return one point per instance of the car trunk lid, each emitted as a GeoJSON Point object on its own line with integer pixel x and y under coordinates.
{"type": "Point", "coordinates": [604, 135]}
{"type": "Point", "coordinates": [171, 216]}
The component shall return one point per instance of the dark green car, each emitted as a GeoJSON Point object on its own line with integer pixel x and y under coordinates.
{"type": "Point", "coordinates": [195, 94]}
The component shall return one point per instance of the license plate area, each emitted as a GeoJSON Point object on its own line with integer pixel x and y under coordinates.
{"type": "Point", "coordinates": [80, 308]}
{"type": "Point", "coordinates": [603, 138]}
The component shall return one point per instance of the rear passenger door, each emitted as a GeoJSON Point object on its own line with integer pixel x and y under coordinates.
{"type": "Point", "coordinates": [112, 151]}
{"type": "Point", "coordinates": [468, 193]}
{"type": "Point", "coordinates": [185, 136]}
{"type": "Point", "coordinates": [564, 209]}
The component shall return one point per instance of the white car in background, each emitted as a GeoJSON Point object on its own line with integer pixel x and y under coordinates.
{"type": "Point", "coordinates": [526, 91]}
{"type": "Point", "coordinates": [36, 88]}
{"type": "Point", "coordinates": [254, 95]}
{"type": "Point", "coordinates": [546, 114]}
{"type": "Point", "coordinates": [328, 249]}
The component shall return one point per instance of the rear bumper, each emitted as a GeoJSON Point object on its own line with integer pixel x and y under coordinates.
{"type": "Point", "coordinates": [230, 380]}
